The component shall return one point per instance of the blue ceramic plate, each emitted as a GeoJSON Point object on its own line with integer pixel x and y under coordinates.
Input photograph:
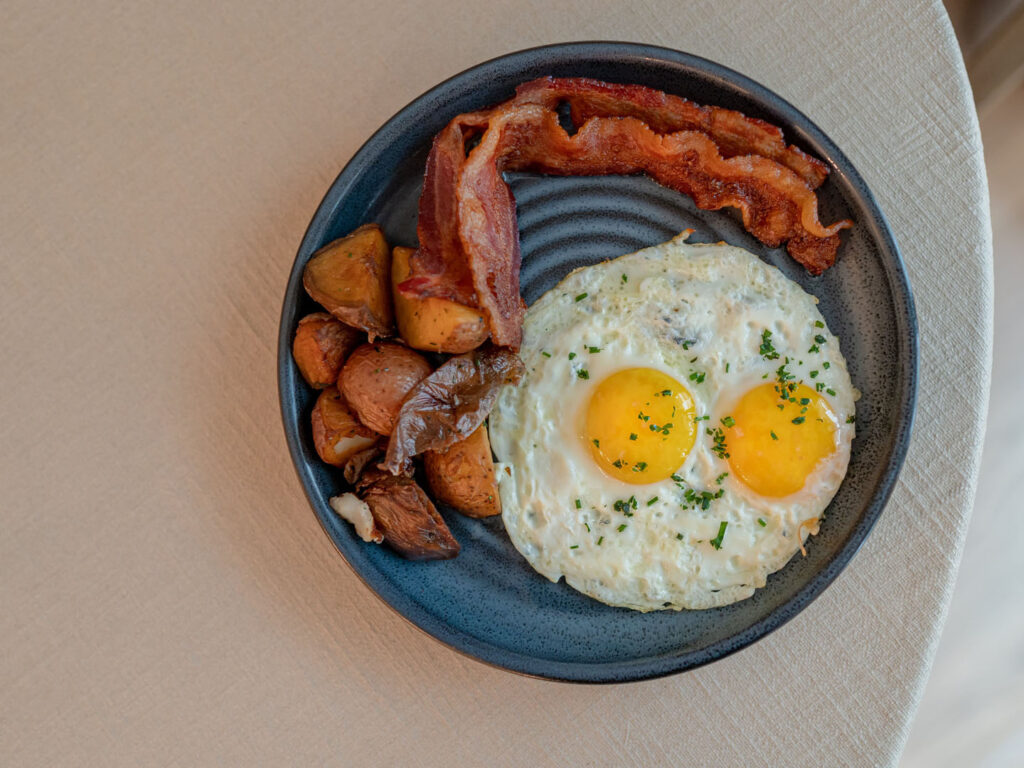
{"type": "Point", "coordinates": [488, 603]}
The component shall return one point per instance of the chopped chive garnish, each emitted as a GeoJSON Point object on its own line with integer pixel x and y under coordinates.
{"type": "Point", "coordinates": [583, 373]}
{"type": "Point", "coordinates": [587, 526]}
{"type": "Point", "coordinates": [717, 541]}
{"type": "Point", "coordinates": [774, 436]}
{"type": "Point", "coordinates": [640, 466]}
{"type": "Point", "coordinates": [624, 278]}
{"type": "Point", "coordinates": [767, 348]}
{"type": "Point", "coordinates": [814, 374]}
{"type": "Point", "coordinates": [761, 521]}
{"type": "Point", "coordinates": [632, 435]}
{"type": "Point", "coordinates": [826, 365]}
{"type": "Point", "coordinates": [726, 367]}
{"type": "Point", "coordinates": [575, 546]}
{"type": "Point", "coordinates": [581, 297]}
{"type": "Point", "coordinates": [679, 536]}
{"type": "Point", "coordinates": [721, 477]}
{"type": "Point", "coordinates": [651, 500]}
{"type": "Point", "coordinates": [600, 540]}
{"type": "Point", "coordinates": [830, 391]}
{"type": "Point", "coordinates": [812, 349]}
{"type": "Point", "coordinates": [596, 442]}
{"type": "Point", "coordinates": [593, 350]}
{"type": "Point", "coordinates": [819, 339]}
{"type": "Point", "coordinates": [729, 421]}
{"type": "Point", "coordinates": [579, 504]}
{"type": "Point", "coordinates": [850, 419]}
{"type": "Point", "coordinates": [622, 528]}
{"type": "Point", "coordinates": [818, 324]}
{"type": "Point", "coordinates": [718, 439]}
{"type": "Point", "coordinates": [546, 354]}
{"type": "Point", "coordinates": [617, 463]}
{"type": "Point", "coordinates": [805, 400]}
{"type": "Point", "coordinates": [572, 355]}
{"type": "Point", "coordinates": [697, 376]}
{"type": "Point", "coordinates": [798, 420]}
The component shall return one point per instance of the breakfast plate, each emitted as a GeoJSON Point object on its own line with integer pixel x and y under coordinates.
{"type": "Point", "coordinates": [488, 603]}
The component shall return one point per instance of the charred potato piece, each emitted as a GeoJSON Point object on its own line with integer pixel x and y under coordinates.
{"type": "Point", "coordinates": [351, 279]}
{"type": "Point", "coordinates": [411, 524]}
{"type": "Point", "coordinates": [375, 380]}
{"type": "Point", "coordinates": [337, 434]}
{"type": "Point", "coordinates": [434, 324]}
{"type": "Point", "coordinates": [462, 476]}
{"type": "Point", "coordinates": [320, 347]}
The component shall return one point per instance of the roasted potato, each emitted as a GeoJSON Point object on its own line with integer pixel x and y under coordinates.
{"type": "Point", "coordinates": [462, 476]}
{"type": "Point", "coordinates": [350, 277]}
{"type": "Point", "coordinates": [375, 380]}
{"type": "Point", "coordinates": [321, 346]}
{"type": "Point", "coordinates": [409, 521]}
{"type": "Point", "coordinates": [434, 324]}
{"type": "Point", "coordinates": [337, 434]}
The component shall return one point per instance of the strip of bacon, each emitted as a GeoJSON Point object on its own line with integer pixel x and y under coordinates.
{"type": "Point", "coordinates": [733, 132]}
{"type": "Point", "coordinates": [777, 206]}
{"type": "Point", "coordinates": [488, 229]}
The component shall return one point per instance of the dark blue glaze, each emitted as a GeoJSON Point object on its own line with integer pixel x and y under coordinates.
{"type": "Point", "coordinates": [488, 603]}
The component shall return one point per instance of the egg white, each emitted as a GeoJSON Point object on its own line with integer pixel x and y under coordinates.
{"type": "Point", "coordinates": [683, 309]}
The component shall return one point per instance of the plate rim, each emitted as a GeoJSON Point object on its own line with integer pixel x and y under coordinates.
{"type": "Point", "coordinates": [665, 664]}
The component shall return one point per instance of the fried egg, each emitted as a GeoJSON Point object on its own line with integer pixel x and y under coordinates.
{"type": "Point", "coordinates": [685, 419]}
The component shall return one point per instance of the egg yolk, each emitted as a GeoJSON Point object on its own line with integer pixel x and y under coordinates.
{"type": "Point", "coordinates": [775, 438]}
{"type": "Point", "coordinates": [640, 425]}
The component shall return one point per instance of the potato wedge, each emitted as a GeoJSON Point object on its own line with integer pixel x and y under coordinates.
{"type": "Point", "coordinates": [320, 347]}
{"type": "Point", "coordinates": [376, 378]}
{"type": "Point", "coordinates": [350, 277]}
{"type": "Point", "coordinates": [337, 434]}
{"type": "Point", "coordinates": [462, 476]}
{"type": "Point", "coordinates": [409, 521]}
{"type": "Point", "coordinates": [437, 325]}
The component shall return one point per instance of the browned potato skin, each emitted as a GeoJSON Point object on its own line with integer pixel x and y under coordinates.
{"type": "Point", "coordinates": [320, 347]}
{"type": "Point", "coordinates": [350, 277]}
{"type": "Point", "coordinates": [376, 378]}
{"type": "Point", "coordinates": [433, 324]}
{"type": "Point", "coordinates": [405, 515]}
{"type": "Point", "coordinates": [333, 420]}
{"type": "Point", "coordinates": [462, 476]}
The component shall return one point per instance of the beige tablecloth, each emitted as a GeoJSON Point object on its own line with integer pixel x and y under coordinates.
{"type": "Point", "coordinates": [167, 596]}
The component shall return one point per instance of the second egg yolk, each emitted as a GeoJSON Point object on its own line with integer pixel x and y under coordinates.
{"type": "Point", "coordinates": [776, 436]}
